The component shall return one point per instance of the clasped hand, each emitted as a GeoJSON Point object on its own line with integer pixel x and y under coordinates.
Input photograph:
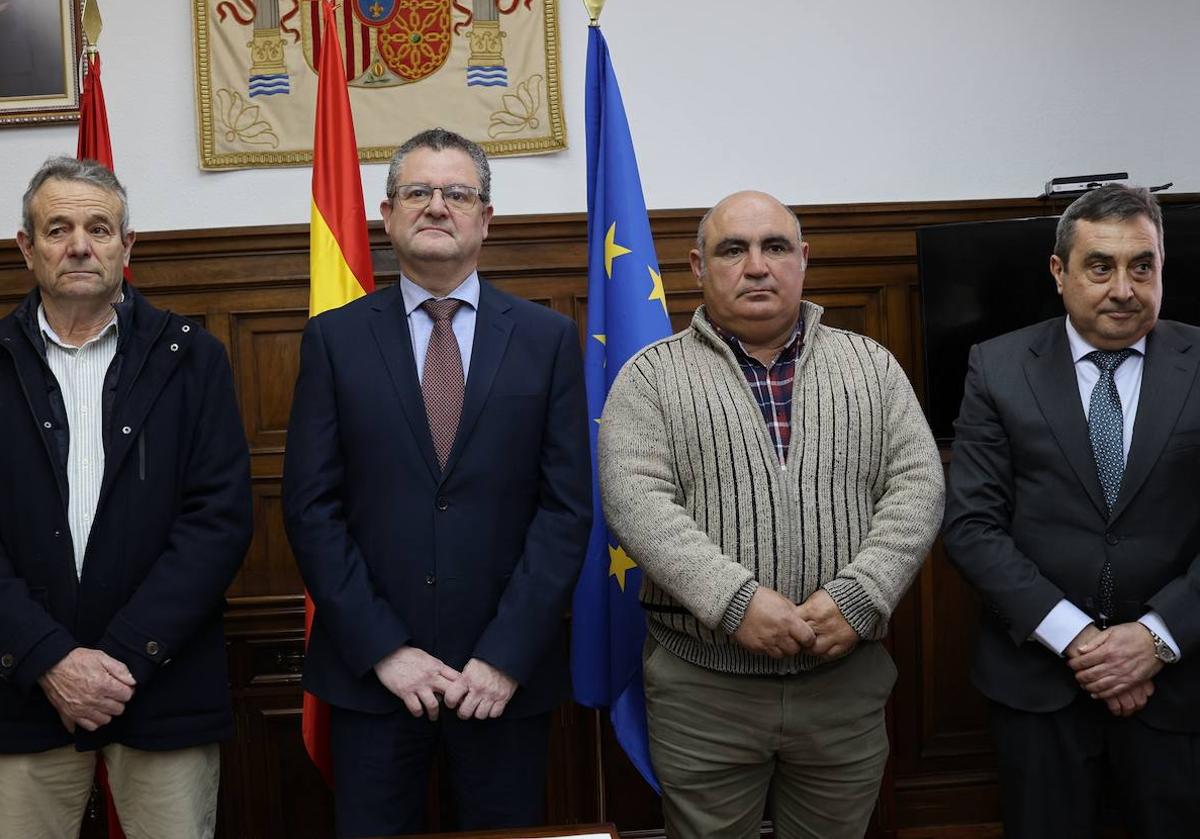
{"type": "Point", "coordinates": [1116, 664]}
{"type": "Point", "coordinates": [88, 688]}
{"type": "Point", "coordinates": [423, 682]}
{"type": "Point", "coordinates": [777, 627]}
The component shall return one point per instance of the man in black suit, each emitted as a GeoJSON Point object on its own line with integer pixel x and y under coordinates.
{"type": "Point", "coordinates": [439, 526]}
{"type": "Point", "coordinates": [1073, 508]}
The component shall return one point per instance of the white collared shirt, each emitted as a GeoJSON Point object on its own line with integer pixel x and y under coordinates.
{"type": "Point", "coordinates": [1066, 620]}
{"type": "Point", "coordinates": [80, 372]}
{"type": "Point", "coordinates": [420, 325]}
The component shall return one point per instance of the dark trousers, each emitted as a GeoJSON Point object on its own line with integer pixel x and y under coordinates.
{"type": "Point", "coordinates": [381, 764]}
{"type": "Point", "coordinates": [1057, 768]}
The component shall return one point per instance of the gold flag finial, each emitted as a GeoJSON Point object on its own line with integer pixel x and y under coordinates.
{"type": "Point", "coordinates": [92, 24]}
{"type": "Point", "coordinates": [594, 8]}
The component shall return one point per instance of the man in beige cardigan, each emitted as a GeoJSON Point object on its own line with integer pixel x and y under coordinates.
{"type": "Point", "coordinates": [777, 481]}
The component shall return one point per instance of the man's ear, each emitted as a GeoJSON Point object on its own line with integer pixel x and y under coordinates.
{"type": "Point", "coordinates": [128, 244]}
{"type": "Point", "coordinates": [25, 243]}
{"type": "Point", "coordinates": [1058, 270]}
{"type": "Point", "coordinates": [697, 261]}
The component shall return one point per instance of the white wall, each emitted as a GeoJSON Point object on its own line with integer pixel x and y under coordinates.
{"type": "Point", "coordinates": [817, 101]}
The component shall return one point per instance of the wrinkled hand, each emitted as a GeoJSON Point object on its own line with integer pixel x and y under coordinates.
{"type": "Point", "coordinates": [482, 692]}
{"type": "Point", "coordinates": [1124, 704]}
{"type": "Point", "coordinates": [417, 678]}
{"type": "Point", "coordinates": [835, 637]}
{"type": "Point", "coordinates": [88, 688]}
{"type": "Point", "coordinates": [1116, 660]}
{"type": "Point", "coordinates": [1131, 701]}
{"type": "Point", "coordinates": [1086, 635]}
{"type": "Point", "coordinates": [772, 625]}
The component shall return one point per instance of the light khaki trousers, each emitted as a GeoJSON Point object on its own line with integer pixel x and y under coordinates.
{"type": "Point", "coordinates": [816, 741]}
{"type": "Point", "coordinates": [157, 794]}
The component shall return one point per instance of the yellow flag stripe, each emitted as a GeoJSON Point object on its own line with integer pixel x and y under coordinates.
{"type": "Point", "coordinates": [331, 282]}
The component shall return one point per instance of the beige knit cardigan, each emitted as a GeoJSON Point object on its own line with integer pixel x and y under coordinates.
{"type": "Point", "coordinates": [694, 492]}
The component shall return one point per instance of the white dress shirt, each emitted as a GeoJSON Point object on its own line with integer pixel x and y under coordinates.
{"type": "Point", "coordinates": [420, 324]}
{"type": "Point", "coordinates": [1066, 620]}
{"type": "Point", "coordinates": [80, 373]}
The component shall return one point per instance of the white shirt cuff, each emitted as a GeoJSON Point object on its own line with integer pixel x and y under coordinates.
{"type": "Point", "coordinates": [1060, 626]}
{"type": "Point", "coordinates": [1154, 622]}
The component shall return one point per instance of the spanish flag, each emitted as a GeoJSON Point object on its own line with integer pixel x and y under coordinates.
{"type": "Point", "coordinates": [339, 267]}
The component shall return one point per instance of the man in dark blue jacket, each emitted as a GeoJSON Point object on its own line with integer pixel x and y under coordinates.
{"type": "Point", "coordinates": [437, 495]}
{"type": "Point", "coordinates": [125, 515]}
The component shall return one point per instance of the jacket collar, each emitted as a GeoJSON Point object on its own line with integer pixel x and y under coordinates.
{"type": "Point", "coordinates": [810, 318]}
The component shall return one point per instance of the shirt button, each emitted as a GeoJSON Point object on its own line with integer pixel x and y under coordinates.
{"type": "Point", "coordinates": [1112, 538]}
{"type": "Point", "coordinates": [6, 660]}
{"type": "Point", "coordinates": [443, 503]}
{"type": "Point", "coordinates": [186, 328]}
{"type": "Point", "coordinates": [47, 424]}
{"type": "Point", "coordinates": [430, 579]}
{"type": "Point", "coordinates": [127, 430]}
{"type": "Point", "coordinates": [152, 648]}
{"type": "Point", "coordinates": [174, 348]}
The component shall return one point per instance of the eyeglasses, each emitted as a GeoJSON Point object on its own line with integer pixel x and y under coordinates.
{"type": "Point", "coordinates": [418, 196]}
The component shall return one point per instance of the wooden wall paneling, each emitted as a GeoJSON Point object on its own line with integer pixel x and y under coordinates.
{"type": "Point", "coordinates": [266, 346]}
{"type": "Point", "coordinates": [249, 287]}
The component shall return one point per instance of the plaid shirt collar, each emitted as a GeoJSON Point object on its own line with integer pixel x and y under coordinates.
{"type": "Point", "coordinates": [770, 384]}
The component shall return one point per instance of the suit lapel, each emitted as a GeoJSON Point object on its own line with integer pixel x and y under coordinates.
{"type": "Point", "coordinates": [492, 330]}
{"type": "Point", "coordinates": [1051, 376]}
{"type": "Point", "coordinates": [1168, 373]}
{"type": "Point", "coordinates": [389, 325]}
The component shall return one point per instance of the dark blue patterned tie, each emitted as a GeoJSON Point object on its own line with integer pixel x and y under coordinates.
{"type": "Point", "coordinates": [1106, 427]}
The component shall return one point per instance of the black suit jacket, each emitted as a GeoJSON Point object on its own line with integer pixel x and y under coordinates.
{"type": "Point", "coordinates": [478, 560]}
{"type": "Point", "coordinates": [1026, 522]}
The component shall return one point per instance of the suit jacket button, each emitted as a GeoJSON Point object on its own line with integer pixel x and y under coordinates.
{"type": "Point", "coordinates": [152, 648]}
{"type": "Point", "coordinates": [430, 579]}
{"type": "Point", "coordinates": [6, 660]}
{"type": "Point", "coordinates": [443, 503]}
{"type": "Point", "coordinates": [1112, 538]}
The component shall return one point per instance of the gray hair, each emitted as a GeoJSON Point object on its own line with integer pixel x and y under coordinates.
{"type": "Point", "coordinates": [439, 139]}
{"type": "Point", "coordinates": [1112, 202]}
{"type": "Point", "coordinates": [700, 238]}
{"type": "Point", "coordinates": [65, 168]}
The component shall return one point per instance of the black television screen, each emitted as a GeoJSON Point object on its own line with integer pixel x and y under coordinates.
{"type": "Point", "coordinates": [982, 279]}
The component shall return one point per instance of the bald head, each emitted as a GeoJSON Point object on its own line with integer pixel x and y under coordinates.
{"type": "Point", "coordinates": [746, 199]}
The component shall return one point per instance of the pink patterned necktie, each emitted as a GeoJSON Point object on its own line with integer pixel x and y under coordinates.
{"type": "Point", "coordinates": [442, 383]}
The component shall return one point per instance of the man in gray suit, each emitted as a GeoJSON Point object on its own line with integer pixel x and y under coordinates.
{"type": "Point", "coordinates": [1073, 508]}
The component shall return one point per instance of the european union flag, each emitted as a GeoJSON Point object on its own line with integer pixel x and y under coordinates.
{"type": "Point", "coordinates": [627, 309]}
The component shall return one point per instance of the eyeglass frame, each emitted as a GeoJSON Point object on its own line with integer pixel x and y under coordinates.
{"type": "Point", "coordinates": [475, 192]}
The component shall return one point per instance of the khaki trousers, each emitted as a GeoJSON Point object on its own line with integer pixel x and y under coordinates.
{"type": "Point", "coordinates": [816, 741]}
{"type": "Point", "coordinates": [157, 794]}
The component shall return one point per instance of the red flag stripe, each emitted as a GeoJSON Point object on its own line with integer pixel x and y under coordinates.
{"type": "Point", "coordinates": [334, 143]}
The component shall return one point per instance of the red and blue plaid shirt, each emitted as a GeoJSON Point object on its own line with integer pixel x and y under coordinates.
{"type": "Point", "coordinates": [771, 386]}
